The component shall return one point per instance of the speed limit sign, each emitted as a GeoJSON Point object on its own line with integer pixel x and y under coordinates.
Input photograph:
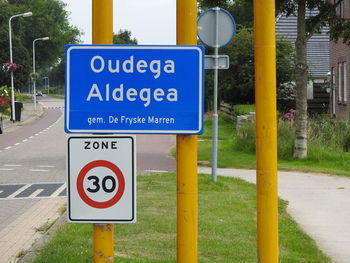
{"type": "Point", "coordinates": [101, 179]}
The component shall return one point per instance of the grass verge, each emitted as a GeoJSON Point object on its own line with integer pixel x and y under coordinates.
{"type": "Point", "coordinates": [57, 96]}
{"type": "Point", "coordinates": [318, 159]}
{"type": "Point", "coordinates": [227, 227]}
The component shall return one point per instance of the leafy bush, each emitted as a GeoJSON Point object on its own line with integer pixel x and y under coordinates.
{"type": "Point", "coordinates": [5, 99]}
{"type": "Point", "coordinates": [327, 136]}
{"type": "Point", "coordinates": [22, 97]}
{"type": "Point", "coordinates": [245, 140]}
{"type": "Point", "coordinates": [57, 90]}
{"type": "Point", "coordinates": [328, 133]}
{"type": "Point", "coordinates": [285, 139]}
{"type": "Point", "coordinates": [243, 109]}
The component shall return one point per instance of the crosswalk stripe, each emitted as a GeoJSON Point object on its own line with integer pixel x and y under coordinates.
{"type": "Point", "coordinates": [19, 191]}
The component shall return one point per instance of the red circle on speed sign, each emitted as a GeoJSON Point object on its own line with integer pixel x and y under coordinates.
{"type": "Point", "coordinates": [116, 171]}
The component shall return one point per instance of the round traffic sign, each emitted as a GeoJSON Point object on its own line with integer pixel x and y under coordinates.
{"type": "Point", "coordinates": [116, 173]}
{"type": "Point", "coordinates": [216, 27]}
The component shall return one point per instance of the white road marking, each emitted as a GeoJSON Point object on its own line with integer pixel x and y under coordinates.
{"type": "Point", "coordinates": [20, 190]}
{"type": "Point", "coordinates": [25, 140]}
{"type": "Point", "coordinates": [46, 166]}
{"type": "Point", "coordinates": [6, 169]}
{"type": "Point", "coordinates": [9, 147]}
{"type": "Point", "coordinates": [12, 165]}
{"type": "Point", "coordinates": [38, 170]}
{"type": "Point", "coordinates": [17, 143]}
{"type": "Point", "coordinates": [31, 137]}
{"type": "Point", "coordinates": [59, 190]}
{"type": "Point", "coordinates": [35, 193]}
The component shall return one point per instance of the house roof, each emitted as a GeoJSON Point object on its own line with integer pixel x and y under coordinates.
{"type": "Point", "coordinates": [317, 46]}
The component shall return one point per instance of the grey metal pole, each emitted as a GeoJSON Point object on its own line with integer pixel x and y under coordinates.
{"type": "Point", "coordinates": [12, 84]}
{"type": "Point", "coordinates": [215, 109]}
{"type": "Point", "coordinates": [34, 78]}
{"type": "Point", "coordinates": [11, 61]}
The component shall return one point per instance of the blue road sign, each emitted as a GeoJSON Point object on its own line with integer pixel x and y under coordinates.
{"type": "Point", "coordinates": [134, 89]}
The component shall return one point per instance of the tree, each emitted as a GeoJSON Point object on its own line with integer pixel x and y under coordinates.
{"type": "Point", "coordinates": [306, 28]}
{"type": "Point", "coordinates": [124, 38]}
{"type": "Point", "coordinates": [237, 83]}
{"type": "Point", "coordinates": [339, 29]}
{"type": "Point", "coordinates": [242, 10]}
{"type": "Point", "coordinates": [56, 76]}
{"type": "Point", "coordinates": [49, 19]}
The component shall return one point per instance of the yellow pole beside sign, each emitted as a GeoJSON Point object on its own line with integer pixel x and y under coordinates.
{"type": "Point", "coordinates": [103, 243]}
{"type": "Point", "coordinates": [102, 21]}
{"type": "Point", "coordinates": [266, 130]}
{"type": "Point", "coordinates": [102, 33]}
{"type": "Point", "coordinates": [186, 159]}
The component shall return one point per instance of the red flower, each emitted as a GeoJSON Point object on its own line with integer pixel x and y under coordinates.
{"type": "Point", "coordinates": [8, 66]}
{"type": "Point", "coordinates": [4, 103]}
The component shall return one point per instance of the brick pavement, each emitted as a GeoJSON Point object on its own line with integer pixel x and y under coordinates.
{"type": "Point", "coordinates": [19, 218]}
{"type": "Point", "coordinates": [11, 209]}
{"type": "Point", "coordinates": [20, 234]}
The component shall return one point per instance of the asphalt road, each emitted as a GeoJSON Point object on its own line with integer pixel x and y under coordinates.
{"type": "Point", "coordinates": [36, 152]}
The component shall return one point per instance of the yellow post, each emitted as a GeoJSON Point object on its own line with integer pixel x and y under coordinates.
{"type": "Point", "coordinates": [186, 159]}
{"type": "Point", "coordinates": [102, 33]}
{"type": "Point", "coordinates": [266, 130]}
{"type": "Point", "coordinates": [102, 21]}
{"type": "Point", "coordinates": [103, 243]}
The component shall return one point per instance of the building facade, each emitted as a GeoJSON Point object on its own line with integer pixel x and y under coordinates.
{"type": "Point", "coordinates": [340, 71]}
{"type": "Point", "coordinates": [317, 59]}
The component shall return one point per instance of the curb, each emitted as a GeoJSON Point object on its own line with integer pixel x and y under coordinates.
{"type": "Point", "coordinates": [9, 126]}
{"type": "Point", "coordinates": [31, 253]}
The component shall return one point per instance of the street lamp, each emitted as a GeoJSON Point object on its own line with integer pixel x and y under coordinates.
{"type": "Point", "coordinates": [11, 61]}
{"type": "Point", "coordinates": [47, 86]}
{"type": "Point", "coordinates": [34, 78]}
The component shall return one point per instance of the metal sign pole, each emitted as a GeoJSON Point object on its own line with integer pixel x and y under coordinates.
{"type": "Point", "coordinates": [216, 28]}
{"type": "Point", "coordinates": [215, 109]}
{"type": "Point", "coordinates": [102, 33]}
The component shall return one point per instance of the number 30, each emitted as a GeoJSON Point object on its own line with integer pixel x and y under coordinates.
{"type": "Point", "coordinates": [96, 182]}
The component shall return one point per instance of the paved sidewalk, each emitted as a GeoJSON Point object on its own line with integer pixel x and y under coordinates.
{"type": "Point", "coordinates": [18, 236]}
{"type": "Point", "coordinates": [318, 202]}
{"type": "Point", "coordinates": [28, 115]}
{"type": "Point", "coordinates": [24, 217]}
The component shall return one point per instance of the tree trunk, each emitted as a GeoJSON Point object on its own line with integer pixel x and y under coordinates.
{"type": "Point", "coordinates": [301, 74]}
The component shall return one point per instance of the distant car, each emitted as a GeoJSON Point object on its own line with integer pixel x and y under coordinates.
{"type": "Point", "coordinates": [39, 93]}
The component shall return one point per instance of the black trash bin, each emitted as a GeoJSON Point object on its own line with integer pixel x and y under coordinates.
{"type": "Point", "coordinates": [1, 126]}
{"type": "Point", "coordinates": [18, 110]}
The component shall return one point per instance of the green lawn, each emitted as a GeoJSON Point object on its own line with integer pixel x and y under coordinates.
{"type": "Point", "coordinates": [228, 156]}
{"type": "Point", "coordinates": [57, 96]}
{"type": "Point", "coordinates": [227, 227]}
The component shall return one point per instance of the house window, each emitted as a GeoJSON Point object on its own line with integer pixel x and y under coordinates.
{"type": "Point", "coordinates": [345, 82]}
{"type": "Point", "coordinates": [340, 9]}
{"type": "Point", "coordinates": [333, 83]}
{"type": "Point", "coordinates": [342, 82]}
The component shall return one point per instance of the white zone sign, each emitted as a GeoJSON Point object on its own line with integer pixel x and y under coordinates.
{"type": "Point", "coordinates": [101, 179]}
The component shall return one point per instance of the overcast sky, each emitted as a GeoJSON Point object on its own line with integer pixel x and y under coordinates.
{"type": "Point", "coordinates": [151, 22]}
